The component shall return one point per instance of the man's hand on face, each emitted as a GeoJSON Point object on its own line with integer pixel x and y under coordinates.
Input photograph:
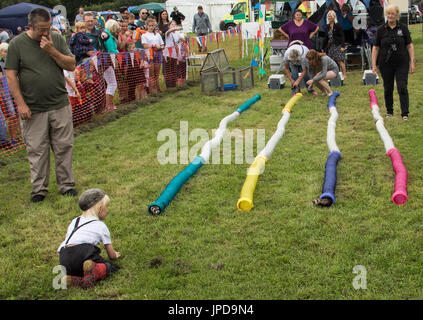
{"type": "Point", "coordinates": [46, 44]}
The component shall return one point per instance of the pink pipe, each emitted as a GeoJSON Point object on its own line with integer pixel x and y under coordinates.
{"type": "Point", "coordinates": [400, 190]}
{"type": "Point", "coordinates": [373, 98]}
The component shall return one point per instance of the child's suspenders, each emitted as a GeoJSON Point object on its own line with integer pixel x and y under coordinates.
{"type": "Point", "coordinates": [77, 227]}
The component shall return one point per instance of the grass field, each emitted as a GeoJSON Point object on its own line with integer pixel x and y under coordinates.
{"type": "Point", "coordinates": [202, 247]}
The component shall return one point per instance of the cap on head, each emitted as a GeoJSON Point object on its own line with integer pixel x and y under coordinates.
{"type": "Point", "coordinates": [90, 198]}
{"type": "Point", "coordinates": [200, 7]}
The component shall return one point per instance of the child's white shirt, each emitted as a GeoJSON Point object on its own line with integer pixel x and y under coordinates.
{"type": "Point", "coordinates": [93, 233]}
{"type": "Point", "coordinates": [152, 39]}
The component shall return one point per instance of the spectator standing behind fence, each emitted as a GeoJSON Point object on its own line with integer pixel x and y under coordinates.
{"type": "Point", "coordinates": [334, 42]}
{"type": "Point", "coordinates": [201, 26]}
{"type": "Point", "coordinates": [153, 42]}
{"type": "Point", "coordinates": [74, 95]}
{"type": "Point", "coordinates": [97, 36]}
{"type": "Point", "coordinates": [4, 36]}
{"type": "Point", "coordinates": [393, 52]}
{"type": "Point", "coordinates": [124, 35]}
{"type": "Point", "coordinates": [143, 19]}
{"type": "Point", "coordinates": [111, 45]}
{"type": "Point", "coordinates": [347, 23]}
{"type": "Point", "coordinates": [3, 53]}
{"type": "Point", "coordinates": [171, 54]}
{"type": "Point", "coordinates": [7, 105]}
{"type": "Point", "coordinates": [124, 13]}
{"type": "Point", "coordinates": [80, 45]}
{"type": "Point", "coordinates": [80, 16]}
{"type": "Point", "coordinates": [138, 80]}
{"type": "Point", "coordinates": [299, 29]}
{"type": "Point", "coordinates": [177, 16]}
{"type": "Point", "coordinates": [163, 23]}
{"type": "Point", "coordinates": [34, 67]}
{"type": "Point", "coordinates": [131, 22]}
{"type": "Point", "coordinates": [324, 69]}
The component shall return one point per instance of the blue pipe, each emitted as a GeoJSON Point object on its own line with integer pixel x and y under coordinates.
{"type": "Point", "coordinates": [245, 106]}
{"type": "Point", "coordinates": [329, 186]}
{"type": "Point", "coordinates": [332, 99]}
{"type": "Point", "coordinates": [174, 186]}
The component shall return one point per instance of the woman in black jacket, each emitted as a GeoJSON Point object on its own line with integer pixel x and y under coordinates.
{"type": "Point", "coordinates": [393, 52]}
{"type": "Point", "coordinates": [335, 41]}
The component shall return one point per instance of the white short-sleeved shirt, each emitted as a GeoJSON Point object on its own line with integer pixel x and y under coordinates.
{"type": "Point", "coordinates": [93, 233]}
{"type": "Point", "coordinates": [152, 39]}
{"type": "Point", "coordinates": [172, 40]}
{"type": "Point", "coordinates": [302, 49]}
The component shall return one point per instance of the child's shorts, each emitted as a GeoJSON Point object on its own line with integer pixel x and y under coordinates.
{"type": "Point", "coordinates": [72, 258]}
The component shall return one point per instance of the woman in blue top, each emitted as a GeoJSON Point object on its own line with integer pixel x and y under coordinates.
{"type": "Point", "coordinates": [112, 28]}
{"type": "Point", "coordinates": [347, 26]}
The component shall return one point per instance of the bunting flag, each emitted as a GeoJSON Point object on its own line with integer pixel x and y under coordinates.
{"type": "Point", "coordinates": [256, 50]}
{"type": "Point", "coordinates": [193, 42]}
{"type": "Point", "coordinates": [132, 55]}
{"type": "Point", "coordinates": [254, 63]}
{"type": "Point", "coordinates": [261, 44]}
{"type": "Point", "coordinates": [120, 57]}
{"type": "Point", "coordinates": [113, 57]}
{"type": "Point", "coordinates": [261, 71]}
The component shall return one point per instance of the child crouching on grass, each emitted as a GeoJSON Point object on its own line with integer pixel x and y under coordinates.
{"type": "Point", "coordinates": [79, 253]}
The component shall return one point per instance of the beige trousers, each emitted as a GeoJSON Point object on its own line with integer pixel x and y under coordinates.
{"type": "Point", "coordinates": [45, 130]}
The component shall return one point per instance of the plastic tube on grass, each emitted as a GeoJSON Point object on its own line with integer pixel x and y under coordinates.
{"type": "Point", "coordinates": [399, 196]}
{"type": "Point", "coordinates": [172, 189]}
{"type": "Point", "coordinates": [328, 191]}
{"type": "Point", "coordinates": [245, 201]}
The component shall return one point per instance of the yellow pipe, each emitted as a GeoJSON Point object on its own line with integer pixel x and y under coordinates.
{"type": "Point", "coordinates": [292, 102]}
{"type": "Point", "coordinates": [245, 202]}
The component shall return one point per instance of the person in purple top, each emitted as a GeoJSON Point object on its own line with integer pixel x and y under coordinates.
{"type": "Point", "coordinates": [299, 29]}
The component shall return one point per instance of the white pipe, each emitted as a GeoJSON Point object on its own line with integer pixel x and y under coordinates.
{"type": "Point", "coordinates": [270, 146]}
{"type": "Point", "coordinates": [207, 148]}
{"type": "Point", "coordinates": [331, 130]}
{"type": "Point", "coordinates": [386, 138]}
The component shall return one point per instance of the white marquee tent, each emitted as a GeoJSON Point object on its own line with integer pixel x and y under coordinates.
{"type": "Point", "coordinates": [215, 9]}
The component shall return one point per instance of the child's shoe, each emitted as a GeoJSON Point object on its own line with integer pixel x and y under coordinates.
{"type": "Point", "coordinates": [92, 273]}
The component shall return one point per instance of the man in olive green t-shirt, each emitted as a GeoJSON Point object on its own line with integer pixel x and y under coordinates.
{"type": "Point", "coordinates": [34, 68]}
